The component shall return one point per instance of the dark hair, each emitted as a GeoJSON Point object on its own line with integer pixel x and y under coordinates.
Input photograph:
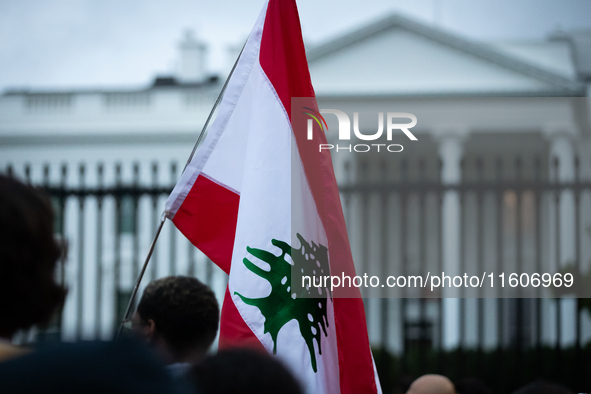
{"type": "Point", "coordinates": [238, 371]}
{"type": "Point", "coordinates": [472, 386]}
{"type": "Point", "coordinates": [185, 312]}
{"type": "Point", "coordinates": [543, 387]}
{"type": "Point", "coordinates": [28, 255]}
{"type": "Point", "coordinates": [117, 367]}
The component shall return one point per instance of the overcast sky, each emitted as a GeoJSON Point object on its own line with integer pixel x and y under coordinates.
{"type": "Point", "coordinates": [98, 43]}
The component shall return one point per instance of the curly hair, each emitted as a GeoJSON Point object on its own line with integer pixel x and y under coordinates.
{"type": "Point", "coordinates": [237, 371]}
{"type": "Point", "coordinates": [28, 255]}
{"type": "Point", "coordinates": [184, 310]}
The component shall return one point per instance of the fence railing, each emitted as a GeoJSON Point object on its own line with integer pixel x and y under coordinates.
{"type": "Point", "coordinates": [534, 223]}
{"type": "Point", "coordinates": [518, 224]}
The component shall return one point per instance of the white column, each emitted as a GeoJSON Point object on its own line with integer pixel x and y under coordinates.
{"type": "Point", "coordinates": [451, 152]}
{"type": "Point", "coordinates": [561, 148]}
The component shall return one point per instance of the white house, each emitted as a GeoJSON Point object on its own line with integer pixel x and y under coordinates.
{"type": "Point", "coordinates": [473, 101]}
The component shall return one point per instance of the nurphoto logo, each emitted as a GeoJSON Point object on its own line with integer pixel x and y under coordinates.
{"type": "Point", "coordinates": [392, 124]}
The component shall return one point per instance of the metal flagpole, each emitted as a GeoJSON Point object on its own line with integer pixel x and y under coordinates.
{"type": "Point", "coordinates": [163, 217]}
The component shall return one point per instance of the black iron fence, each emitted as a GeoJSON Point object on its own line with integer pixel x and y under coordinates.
{"type": "Point", "coordinates": [519, 222]}
{"type": "Point", "coordinates": [514, 216]}
{"type": "Point", "coordinates": [106, 225]}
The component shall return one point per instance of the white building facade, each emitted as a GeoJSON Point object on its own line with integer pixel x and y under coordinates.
{"type": "Point", "coordinates": [485, 103]}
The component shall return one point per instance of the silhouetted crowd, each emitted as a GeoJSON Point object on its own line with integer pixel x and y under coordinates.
{"type": "Point", "coordinates": [167, 344]}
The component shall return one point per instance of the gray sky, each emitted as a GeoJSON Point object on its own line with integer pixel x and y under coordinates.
{"type": "Point", "coordinates": [97, 43]}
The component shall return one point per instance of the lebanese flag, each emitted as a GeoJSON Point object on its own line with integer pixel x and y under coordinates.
{"type": "Point", "coordinates": [261, 201]}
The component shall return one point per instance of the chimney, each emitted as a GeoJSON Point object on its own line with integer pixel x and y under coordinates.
{"type": "Point", "coordinates": [192, 65]}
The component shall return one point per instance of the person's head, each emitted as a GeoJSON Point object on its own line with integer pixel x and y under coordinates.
{"type": "Point", "coordinates": [90, 367]}
{"type": "Point", "coordinates": [29, 252]}
{"type": "Point", "coordinates": [432, 384]}
{"type": "Point", "coordinates": [179, 316]}
{"type": "Point", "coordinates": [472, 386]}
{"type": "Point", "coordinates": [543, 387]}
{"type": "Point", "coordinates": [243, 371]}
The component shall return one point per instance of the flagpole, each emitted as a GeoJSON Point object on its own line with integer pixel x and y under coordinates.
{"type": "Point", "coordinates": [140, 276]}
{"type": "Point", "coordinates": [163, 217]}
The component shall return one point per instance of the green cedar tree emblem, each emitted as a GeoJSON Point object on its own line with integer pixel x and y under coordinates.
{"type": "Point", "coordinates": [288, 300]}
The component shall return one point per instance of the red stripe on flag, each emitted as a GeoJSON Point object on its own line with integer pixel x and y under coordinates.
{"type": "Point", "coordinates": [283, 59]}
{"type": "Point", "coordinates": [282, 55]}
{"type": "Point", "coordinates": [234, 332]}
{"type": "Point", "coordinates": [208, 218]}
